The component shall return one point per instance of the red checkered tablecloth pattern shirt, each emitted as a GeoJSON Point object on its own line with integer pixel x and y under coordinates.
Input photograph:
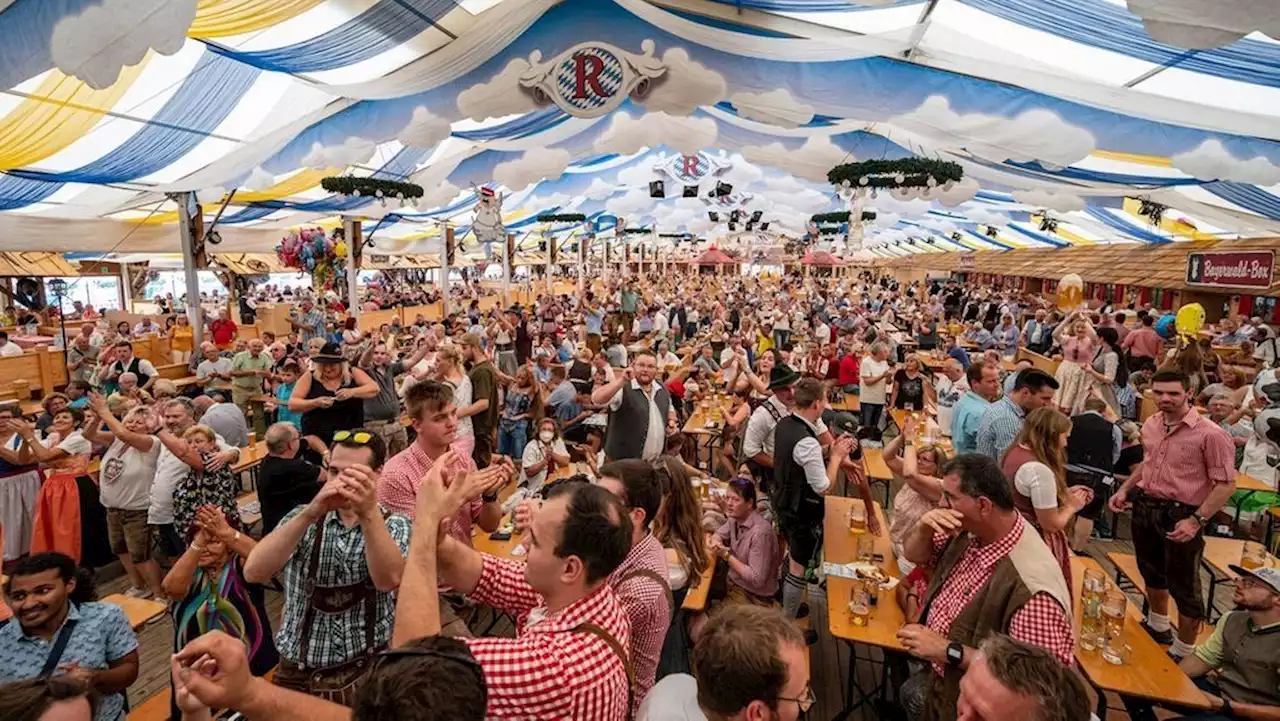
{"type": "Point", "coordinates": [647, 608]}
{"type": "Point", "coordinates": [398, 487]}
{"type": "Point", "coordinates": [1040, 621]}
{"type": "Point", "coordinates": [550, 671]}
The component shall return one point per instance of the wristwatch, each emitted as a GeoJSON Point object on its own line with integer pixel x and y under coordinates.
{"type": "Point", "coordinates": [1200, 519]}
{"type": "Point", "coordinates": [955, 655]}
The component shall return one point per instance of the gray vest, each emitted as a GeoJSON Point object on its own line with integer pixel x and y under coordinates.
{"type": "Point", "coordinates": [629, 425]}
{"type": "Point", "coordinates": [1250, 670]}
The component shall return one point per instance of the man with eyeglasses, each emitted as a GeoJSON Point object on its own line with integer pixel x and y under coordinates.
{"type": "Point", "coordinates": [342, 557]}
{"type": "Point", "coordinates": [749, 663]}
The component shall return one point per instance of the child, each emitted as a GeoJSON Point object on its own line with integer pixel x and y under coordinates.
{"type": "Point", "coordinates": [289, 372]}
{"type": "Point", "coordinates": [201, 487]}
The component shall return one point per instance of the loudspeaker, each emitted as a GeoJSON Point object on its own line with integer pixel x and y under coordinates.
{"type": "Point", "coordinates": [755, 217]}
{"type": "Point", "coordinates": [657, 189]}
{"type": "Point", "coordinates": [723, 189]}
{"type": "Point", "coordinates": [764, 225]}
{"type": "Point", "coordinates": [714, 216]}
{"type": "Point", "coordinates": [690, 191]}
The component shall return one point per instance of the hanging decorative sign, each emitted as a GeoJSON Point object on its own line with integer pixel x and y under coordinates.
{"type": "Point", "coordinates": [1232, 269]}
{"type": "Point", "coordinates": [488, 225]}
{"type": "Point", "coordinates": [691, 169]}
{"type": "Point", "coordinates": [592, 79]}
{"type": "Point", "coordinates": [968, 261]}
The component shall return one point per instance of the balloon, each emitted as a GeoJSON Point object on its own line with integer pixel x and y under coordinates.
{"type": "Point", "coordinates": [311, 263]}
{"type": "Point", "coordinates": [1070, 292]}
{"type": "Point", "coordinates": [340, 249]}
{"type": "Point", "coordinates": [1190, 320]}
{"type": "Point", "coordinates": [1166, 327]}
{"type": "Point", "coordinates": [1267, 385]}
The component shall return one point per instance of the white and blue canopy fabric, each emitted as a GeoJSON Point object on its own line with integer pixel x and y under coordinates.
{"type": "Point", "coordinates": [1069, 117]}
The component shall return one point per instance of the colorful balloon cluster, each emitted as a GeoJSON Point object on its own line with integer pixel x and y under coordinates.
{"type": "Point", "coordinates": [310, 251]}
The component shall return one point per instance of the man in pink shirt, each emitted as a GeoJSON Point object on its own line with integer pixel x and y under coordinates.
{"type": "Point", "coordinates": [1144, 346]}
{"type": "Point", "coordinates": [1187, 474]}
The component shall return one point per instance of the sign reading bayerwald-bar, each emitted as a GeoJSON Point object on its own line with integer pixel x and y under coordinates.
{"type": "Point", "coordinates": [1232, 268]}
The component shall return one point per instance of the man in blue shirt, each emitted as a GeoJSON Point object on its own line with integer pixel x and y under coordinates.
{"type": "Point", "coordinates": [1002, 420]}
{"type": "Point", "coordinates": [57, 630]}
{"type": "Point", "coordinates": [955, 351]}
{"type": "Point", "coordinates": [984, 387]}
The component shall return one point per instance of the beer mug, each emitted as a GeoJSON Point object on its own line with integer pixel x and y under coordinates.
{"type": "Point", "coordinates": [1113, 610]}
{"type": "Point", "coordinates": [866, 548]}
{"type": "Point", "coordinates": [859, 603]}
{"type": "Point", "coordinates": [1092, 593]}
{"type": "Point", "coordinates": [1253, 555]}
{"type": "Point", "coordinates": [858, 518]}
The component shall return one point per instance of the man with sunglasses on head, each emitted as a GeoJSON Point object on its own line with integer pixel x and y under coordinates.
{"type": "Point", "coordinates": [342, 557]}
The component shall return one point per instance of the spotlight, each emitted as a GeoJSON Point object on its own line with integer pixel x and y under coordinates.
{"type": "Point", "coordinates": [734, 216]}
{"type": "Point", "coordinates": [733, 227]}
{"type": "Point", "coordinates": [1048, 225]}
{"type": "Point", "coordinates": [714, 216]}
{"type": "Point", "coordinates": [992, 231]}
{"type": "Point", "coordinates": [723, 190]}
{"type": "Point", "coordinates": [690, 191]}
{"type": "Point", "coordinates": [755, 217]}
{"type": "Point", "coordinates": [657, 189]}
{"type": "Point", "coordinates": [764, 225]}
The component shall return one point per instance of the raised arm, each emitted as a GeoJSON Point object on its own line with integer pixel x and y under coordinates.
{"type": "Point", "coordinates": [142, 441]}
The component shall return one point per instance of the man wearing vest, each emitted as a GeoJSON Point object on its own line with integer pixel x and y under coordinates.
{"type": "Point", "coordinates": [801, 478]}
{"type": "Point", "coordinates": [639, 408]}
{"type": "Point", "coordinates": [1092, 451]}
{"type": "Point", "coordinates": [757, 439]}
{"type": "Point", "coordinates": [991, 573]}
{"type": "Point", "coordinates": [1243, 654]}
{"type": "Point", "coordinates": [127, 362]}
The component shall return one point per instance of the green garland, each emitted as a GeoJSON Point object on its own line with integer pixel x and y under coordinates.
{"type": "Point", "coordinates": [636, 231]}
{"type": "Point", "coordinates": [370, 187]}
{"type": "Point", "coordinates": [914, 173]}
{"type": "Point", "coordinates": [561, 218]}
{"type": "Point", "coordinates": [840, 217]}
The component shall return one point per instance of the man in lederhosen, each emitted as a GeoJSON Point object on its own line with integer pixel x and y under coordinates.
{"type": "Point", "coordinates": [342, 558]}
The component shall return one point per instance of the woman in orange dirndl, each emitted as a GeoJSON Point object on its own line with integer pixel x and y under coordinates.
{"type": "Point", "coordinates": [64, 457]}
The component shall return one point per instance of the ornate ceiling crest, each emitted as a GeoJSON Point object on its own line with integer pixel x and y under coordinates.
{"type": "Point", "coordinates": [592, 79]}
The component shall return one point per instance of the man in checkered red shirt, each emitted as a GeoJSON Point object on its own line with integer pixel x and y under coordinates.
{"type": "Point", "coordinates": [641, 581]}
{"type": "Point", "coordinates": [569, 659]}
{"type": "Point", "coordinates": [430, 406]}
{"type": "Point", "coordinates": [990, 573]}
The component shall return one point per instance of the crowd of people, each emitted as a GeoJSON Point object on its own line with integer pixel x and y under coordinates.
{"type": "Point", "coordinates": [389, 450]}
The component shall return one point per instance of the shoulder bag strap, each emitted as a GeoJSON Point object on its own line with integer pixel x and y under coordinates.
{"type": "Point", "coordinates": [600, 633]}
{"type": "Point", "coordinates": [656, 578]}
{"type": "Point", "coordinates": [59, 646]}
{"type": "Point", "coordinates": [313, 570]}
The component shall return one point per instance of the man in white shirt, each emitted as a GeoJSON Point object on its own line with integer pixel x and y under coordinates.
{"type": "Point", "coordinates": [821, 332]}
{"type": "Point", "coordinates": [757, 440]}
{"type": "Point", "coordinates": [745, 644]}
{"type": "Point", "coordinates": [7, 347]}
{"type": "Point", "coordinates": [214, 372]}
{"type": "Point", "coordinates": [874, 371]}
{"type": "Point", "coordinates": [633, 383]}
{"type": "Point", "coordinates": [950, 385]}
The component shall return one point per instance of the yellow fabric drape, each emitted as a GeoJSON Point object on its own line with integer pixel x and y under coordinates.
{"type": "Point", "coordinates": [304, 179]}
{"type": "Point", "coordinates": [56, 114]}
{"type": "Point", "coordinates": [1152, 160]}
{"type": "Point", "coordinates": [224, 18]}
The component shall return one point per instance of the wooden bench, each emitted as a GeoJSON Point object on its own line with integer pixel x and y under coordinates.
{"type": "Point", "coordinates": [1127, 575]}
{"type": "Point", "coordinates": [140, 611]}
{"type": "Point", "coordinates": [250, 509]}
{"type": "Point", "coordinates": [173, 371]}
{"type": "Point", "coordinates": [155, 708]}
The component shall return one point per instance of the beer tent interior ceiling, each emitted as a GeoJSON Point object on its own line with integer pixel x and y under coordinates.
{"type": "Point", "coordinates": [1071, 110]}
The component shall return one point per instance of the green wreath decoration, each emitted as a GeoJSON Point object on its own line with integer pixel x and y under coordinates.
{"type": "Point", "coordinates": [561, 218]}
{"type": "Point", "coordinates": [371, 187]}
{"type": "Point", "coordinates": [840, 217]}
{"type": "Point", "coordinates": [636, 231]}
{"type": "Point", "coordinates": [902, 173]}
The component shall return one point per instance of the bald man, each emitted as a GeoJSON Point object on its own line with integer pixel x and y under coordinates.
{"type": "Point", "coordinates": [249, 369]}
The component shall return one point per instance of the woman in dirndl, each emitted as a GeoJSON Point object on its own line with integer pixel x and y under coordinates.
{"type": "Point", "coordinates": [1076, 337]}
{"type": "Point", "coordinates": [19, 488]}
{"type": "Point", "coordinates": [69, 518]}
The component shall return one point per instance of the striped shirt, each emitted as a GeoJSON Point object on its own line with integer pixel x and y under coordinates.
{"type": "Point", "coordinates": [1000, 424]}
{"type": "Point", "coordinates": [550, 670]}
{"type": "Point", "coordinates": [1184, 461]}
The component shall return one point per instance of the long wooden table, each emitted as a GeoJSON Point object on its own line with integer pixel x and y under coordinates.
{"type": "Point", "coordinates": [839, 545]}
{"type": "Point", "coordinates": [1250, 486]}
{"type": "Point", "coordinates": [1149, 673]}
{"type": "Point", "coordinates": [139, 611]}
{"type": "Point", "coordinates": [1219, 555]}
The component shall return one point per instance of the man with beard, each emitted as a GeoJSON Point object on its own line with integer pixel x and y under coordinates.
{"type": "Point", "coordinates": [484, 394]}
{"type": "Point", "coordinates": [639, 408]}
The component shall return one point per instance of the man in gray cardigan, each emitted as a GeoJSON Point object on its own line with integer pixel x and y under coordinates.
{"type": "Point", "coordinates": [639, 407]}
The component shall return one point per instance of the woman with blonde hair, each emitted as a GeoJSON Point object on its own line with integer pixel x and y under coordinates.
{"type": "Point", "coordinates": [1036, 465]}
{"type": "Point", "coordinates": [678, 527]}
{"type": "Point", "coordinates": [1078, 340]}
{"type": "Point", "coordinates": [449, 370]}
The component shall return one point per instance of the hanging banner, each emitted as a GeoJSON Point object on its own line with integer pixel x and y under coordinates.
{"type": "Point", "coordinates": [968, 261]}
{"type": "Point", "coordinates": [1253, 269]}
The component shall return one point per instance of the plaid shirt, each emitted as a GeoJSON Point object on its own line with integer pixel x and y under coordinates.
{"type": "Point", "coordinates": [1185, 462]}
{"type": "Point", "coordinates": [340, 637]}
{"type": "Point", "coordinates": [646, 606]}
{"type": "Point", "coordinates": [1000, 424]}
{"type": "Point", "coordinates": [398, 487]}
{"type": "Point", "coordinates": [549, 671]}
{"type": "Point", "coordinates": [312, 323]}
{"type": "Point", "coordinates": [1040, 621]}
